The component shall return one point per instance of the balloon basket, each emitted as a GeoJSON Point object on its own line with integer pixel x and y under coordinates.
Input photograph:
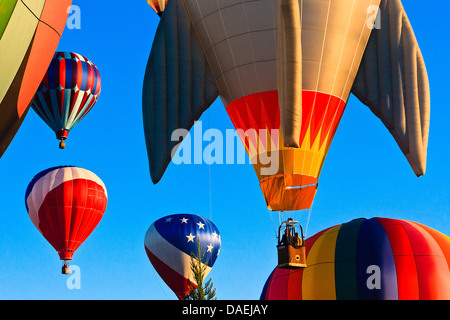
{"type": "Point", "coordinates": [291, 246]}
{"type": "Point", "coordinates": [290, 257]}
{"type": "Point", "coordinates": [62, 145]}
{"type": "Point", "coordinates": [65, 268]}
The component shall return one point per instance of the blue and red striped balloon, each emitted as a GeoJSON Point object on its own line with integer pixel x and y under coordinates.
{"type": "Point", "coordinates": [66, 204]}
{"type": "Point", "coordinates": [368, 259]}
{"type": "Point", "coordinates": [169, 243]}
{"type": "Point", "coordinates": [69, 90]}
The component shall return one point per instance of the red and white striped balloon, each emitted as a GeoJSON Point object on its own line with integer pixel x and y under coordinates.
{"type": "Point", "coordinates": [66, 204]}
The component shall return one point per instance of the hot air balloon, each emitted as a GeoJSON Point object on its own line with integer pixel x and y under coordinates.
{"type": "Point", "coordinates": [378, 258]}
{"type": "Point", "coordinates": [169, 243]}
{"type": "Point", "coordinates": [66, 204]}
{"type": "Point", "coordinates": [69, 90]}
{"type": "Point", "coordinates": [158, 6]}
{"type": "Point", "coordinates": [284, 69]}
{"type": "Point", "coordinates": [29, 35]}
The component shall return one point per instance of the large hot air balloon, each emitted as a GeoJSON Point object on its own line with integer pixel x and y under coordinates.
{"type": "Point", "coordinates": [66, 204]}
{"type": "Point", "coordinates": [284, 69]}
{"type": "Point", "coordinates": [169, 243]}
{"type": "Point", "coordinates": [158, 6]}
{"type": "Point", "coordinates": [69, 90]}
{"type": "Point", "coordinates": [29, 35]}
{"type": "Point", "coordinates": [378, 258]}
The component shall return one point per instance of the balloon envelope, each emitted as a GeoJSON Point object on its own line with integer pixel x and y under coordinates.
{"type": "Point", "coordinates": [378, 258]}
{"type": "Point", "coordinates": [66, 204]}
{"type": "Point", "coordinates": [29, 35]}
{"type": "Point", "coordinates": [169, 243]}
{"type": "Point", "coordinates": [157, 5]}
{"type": "Point", "coordinates": [69, 90]}
{"type": "Point", "coordinates": [242, 51]}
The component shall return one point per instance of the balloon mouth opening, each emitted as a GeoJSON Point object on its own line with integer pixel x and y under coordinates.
{"type": "Point", "coordinates": [62, 135]}
{"type": "Point", "coordinates": [66, 255]}
{"type": "Point", "coordinates": [294, 191]}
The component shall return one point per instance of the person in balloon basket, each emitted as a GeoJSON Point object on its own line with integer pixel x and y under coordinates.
{"type": "Point", "coordinates": [287, 238]}
{"type": "Point", "coordinates": [297, 241]}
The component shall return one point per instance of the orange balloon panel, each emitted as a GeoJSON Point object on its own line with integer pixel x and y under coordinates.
{"type": "Point", "coordinates": [284, 70]}
{"type": "Point", "coordinates": [288, 176]}
{"type": "Point", "coordinates": [29, 36]}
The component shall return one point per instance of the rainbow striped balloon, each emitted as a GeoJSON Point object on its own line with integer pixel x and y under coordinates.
{"type": "Point", "coordinates": [69, 90]}
{"type": "Point", "coordinates": [368, 259]}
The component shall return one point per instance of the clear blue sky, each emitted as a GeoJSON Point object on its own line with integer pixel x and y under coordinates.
{"type": "Point", "coordinates": [365, 174]}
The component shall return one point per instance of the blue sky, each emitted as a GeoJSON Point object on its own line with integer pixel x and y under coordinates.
{"type": "Point", "coordinates": [365, 174]}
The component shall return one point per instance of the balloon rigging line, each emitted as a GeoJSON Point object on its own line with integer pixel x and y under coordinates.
{"type": "Point", "coordinates": [307, 221]}
{"type": "Point", "coordinates": [210, 193]}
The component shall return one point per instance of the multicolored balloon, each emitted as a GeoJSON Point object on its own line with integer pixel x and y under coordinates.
{"type": "Point", "coordinates": [158, 5]}
{"type": "Point", "coordinates": [284, 73]}
{"type": "Point", "coordinates": [29, 35]}
{"type": "Point", "coordinates": [66, 204]}
{"type": "Point", "coordinates": [69, 90]}
{"type": "Point", "coordinates": [375, 259]}
{"type": "Point", "coordinates": [169, 243]}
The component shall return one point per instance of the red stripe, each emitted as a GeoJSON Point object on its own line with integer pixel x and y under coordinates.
{"type": "Point", "coordinates": [294, 284]}
{"type": "Point", "coordinates": [432, 269]}
{"type": "Point", "coordinates": [90, 77]}
{"type": "Point", "coordinates": [278, 285]}
{"type": "Point", "coordinates": [176, 282]}
{"type": "Point", "coordinates": [69, 214]}
{"type": "Point", "coordinates": [320, 112]}
{"type": "Point", "coordinates": [95, 207]}
{"type": "Point", "coordinates": [98, 80]}
{"type": "Point", "coordinates": [61, 81]}
{"type": "Point", "coordinates": [405, 264]}
{"type": "Point", "coordinates": [440, 239]}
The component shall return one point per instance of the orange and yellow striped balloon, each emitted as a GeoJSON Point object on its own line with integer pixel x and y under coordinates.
{"type": "Point", "coordinates": [284, 70]}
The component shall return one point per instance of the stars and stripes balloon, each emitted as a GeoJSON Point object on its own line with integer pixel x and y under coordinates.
{"type": "Point", "coordinates": [66, 204]}
{"type": "Point", "coordinates": [368, 259]}
{"type": "Point", "coordinates": [169, 243]}
{"type": "Point", "coordinates": [69, 90]}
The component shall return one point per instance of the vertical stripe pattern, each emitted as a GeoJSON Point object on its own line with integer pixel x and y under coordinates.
{"type": "Point", "coordinates": [69, 90]}
{"type": "Point", "coordinates": [66, 204]}
{"type": "Point", "coordinates": [239, 39]}
{"type": "Point", "coordinates": [369, 259]}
